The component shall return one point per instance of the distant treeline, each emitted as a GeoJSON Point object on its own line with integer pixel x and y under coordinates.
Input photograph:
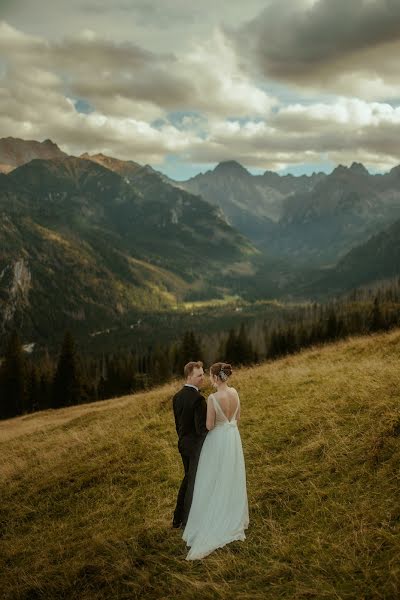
{"type": "Point", "coordinates": [29, 384]}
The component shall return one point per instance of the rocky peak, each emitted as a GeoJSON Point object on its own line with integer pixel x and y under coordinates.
{"type": "Point", "coordinates": [58, 173]}
{"type": "Point", "coordinates": [15, 152]}
{"type": "Point", "coordinates": [355, 169]}
{"type": "Point", "coordinates": [122, 167]}
{"type": "Point", "coordinates": [358, 168]}
{"type": "Point", "coordinates": [395, 171]}
{"type": "Point", "coordinates": [340, 170]}
{"type": "Point", "coordinates": [49, 143]}
{"type": "Point", "coordinates": [231, 167]}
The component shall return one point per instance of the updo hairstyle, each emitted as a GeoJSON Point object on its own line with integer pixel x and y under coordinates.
{"type": "Point", "coordinates": [221, 370]}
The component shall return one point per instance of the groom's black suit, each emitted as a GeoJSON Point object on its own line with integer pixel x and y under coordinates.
{"type": "Point", "coordinates": [190, 411]}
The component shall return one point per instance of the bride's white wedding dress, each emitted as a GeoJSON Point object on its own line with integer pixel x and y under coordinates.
{"type": "Point", "coordinates": [219, 512]}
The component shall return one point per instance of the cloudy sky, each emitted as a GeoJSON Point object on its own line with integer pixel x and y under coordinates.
{"type": "Point", "coordinates": [287, 85]}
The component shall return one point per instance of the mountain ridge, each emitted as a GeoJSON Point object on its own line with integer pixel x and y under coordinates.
{"type": "Point", "coordinates": [99, 246]}
{"type": "Point", "coordinates": [376, 259]}
{"type": "Point", "coordinates": [309, 220]}
{"type": "Point", "coordinates": [15, 152]}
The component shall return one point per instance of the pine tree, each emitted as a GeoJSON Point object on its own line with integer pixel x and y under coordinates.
{"type": "Point", "coordinates": [332, 325]}
{"type": "Point", "coordinates": [277, 345]}
{"type": "Point", "coordinates": [189, 350]}
{"type": "Point", "coordinates": [13, 384]}
{"type": "Point", "coordinates": [46, 376]}
{"type": "Point", "coordinates": [45, 391]}
{"type": "Point", "coordinates": [245, 354]}
{"type": "Point", "coordinates": [231, 348]}
{"type": "Point", "coordinates": [290, 340]}
{"type": "Point", "coordinates": [377, 321]}
{"type": "Point", "coordinates": [67, 379]}
{"type": "Point", "coordinates": [303, 336]}
{"type": "Point", "coordinates": [33, 390]}
{"type": "Point", "coordinates": [161, 365]}
{"type": "Point", "coordinates": [272, 344]}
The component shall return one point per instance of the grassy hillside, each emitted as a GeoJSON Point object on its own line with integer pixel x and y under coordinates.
{"type": "Point", "coordinates": [88, 492]}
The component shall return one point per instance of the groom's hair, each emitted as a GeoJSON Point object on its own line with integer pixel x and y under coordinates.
{"type": "Point", "coordinates": [190, 367]}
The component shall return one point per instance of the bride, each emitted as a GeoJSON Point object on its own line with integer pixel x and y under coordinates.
{"type": "Point", "coordinates": [219, 512]}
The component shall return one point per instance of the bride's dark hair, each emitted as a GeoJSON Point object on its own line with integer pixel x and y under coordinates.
{"type": "Point", "coordinates": [221, 370]}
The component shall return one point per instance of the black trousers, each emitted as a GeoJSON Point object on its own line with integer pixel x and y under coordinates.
{"type": "Point", "coordinates": [185, 494]}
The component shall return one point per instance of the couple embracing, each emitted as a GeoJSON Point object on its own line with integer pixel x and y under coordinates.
{"type": "Point", "coordinates": [212, 507]}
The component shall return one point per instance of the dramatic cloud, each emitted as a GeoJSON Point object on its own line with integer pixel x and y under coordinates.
{"type": "Point", "coordinates": [342, 132]}
{"type": "Point", "coordinates": [34, 103]}
{"type": "Point", "coordinates": [124, 89]}
{"type": "Point", "coordinates": [305, 83]}
{"type": "Point", "coordinates": [342, 45]}
{"type": "Point", "coordinates": [112, 77]}
{"type": "Point", "coordinates": [152, 24]}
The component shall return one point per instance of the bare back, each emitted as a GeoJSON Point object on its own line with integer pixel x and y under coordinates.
{"type": "Point", "coordinates": [229, 402]}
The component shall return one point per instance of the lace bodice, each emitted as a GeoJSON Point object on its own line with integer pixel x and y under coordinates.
{"type": "Point", "coordinates": [221, 418]}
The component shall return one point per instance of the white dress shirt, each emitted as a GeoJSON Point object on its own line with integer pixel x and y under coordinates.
{"type": "Point", "coordinates": [193, 386]}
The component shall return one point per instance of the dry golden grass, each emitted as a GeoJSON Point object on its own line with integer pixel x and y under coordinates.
{"type": "Point", "coordinates": [87, 493]}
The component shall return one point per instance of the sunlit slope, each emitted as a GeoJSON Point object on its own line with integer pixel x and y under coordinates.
{"type": "Point", "coordinates": [85, 248]}
{"type": "Point", "coordinates": [88, 492]}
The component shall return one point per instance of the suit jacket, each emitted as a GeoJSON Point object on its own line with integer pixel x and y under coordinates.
{"type": "Point", "coordinates": [190, 412]}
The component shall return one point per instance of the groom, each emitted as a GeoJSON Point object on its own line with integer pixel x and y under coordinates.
{"type": "Point", "coordinates": [190, 411]}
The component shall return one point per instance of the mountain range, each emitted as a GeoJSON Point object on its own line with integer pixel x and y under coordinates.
{"type": "Point", "coordinates": [80, 242]}
{"type": "Point", "coordinates": [312, 219]}
{"type": "Point", "coordinates": [252, 203]}
{"type": "Point", "coordinates": [95, 239]}
{"type": "Point", "coordinates": [376, 259]}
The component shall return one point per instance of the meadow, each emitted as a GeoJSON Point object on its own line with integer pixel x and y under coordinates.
{"type": "Point", "coordinates": [87, 492]}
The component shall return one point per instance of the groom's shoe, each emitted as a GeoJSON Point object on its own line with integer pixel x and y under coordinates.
{"type": "Point", "coordinates": [176, 524]}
